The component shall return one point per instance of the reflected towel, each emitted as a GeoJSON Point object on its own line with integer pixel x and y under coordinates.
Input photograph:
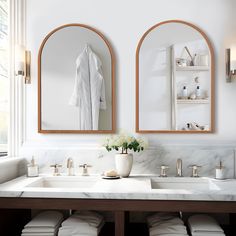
{"type": "Point", "coordinates": [204, 224]}
{"type": "Point", "coordinates": [50, 219]}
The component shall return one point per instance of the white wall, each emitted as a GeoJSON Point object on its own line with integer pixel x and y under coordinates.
{"type": "Point", "coordinates": [11, 168]}
{"type": "Point", "coordinates": [123, 23]}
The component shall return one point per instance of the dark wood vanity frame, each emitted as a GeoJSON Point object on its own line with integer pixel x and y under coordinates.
{"type": "Point", "coordinates": [121, 207]}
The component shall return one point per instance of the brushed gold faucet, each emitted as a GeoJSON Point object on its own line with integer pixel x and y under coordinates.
{"type": "Point", "coordinates": [179, 168]}
{"type": "Point", "coordinates": [70, 166]}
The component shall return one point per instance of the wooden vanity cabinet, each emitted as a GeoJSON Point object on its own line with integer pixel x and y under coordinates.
{"type": "Point", "coordinates": [118, 206]}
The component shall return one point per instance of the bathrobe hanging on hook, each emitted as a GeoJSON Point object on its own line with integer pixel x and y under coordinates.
{"type": "Point", "coordinates": [89, 90]}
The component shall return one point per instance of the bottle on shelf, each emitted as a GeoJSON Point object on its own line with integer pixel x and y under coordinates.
{"type": "Point", "coordinates": [198, 92]}
{"type": "Point", "coordinates": [184, 92]}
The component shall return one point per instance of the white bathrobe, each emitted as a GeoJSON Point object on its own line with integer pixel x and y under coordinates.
{"type": "Point", "coordinates": [89, 90]}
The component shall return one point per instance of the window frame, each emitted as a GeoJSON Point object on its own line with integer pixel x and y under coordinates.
{"type": "Point", "coordinates": [17, 36]}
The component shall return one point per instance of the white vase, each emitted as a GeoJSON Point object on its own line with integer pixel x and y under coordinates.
{"type": "Point", "coordinates": [124, 164]}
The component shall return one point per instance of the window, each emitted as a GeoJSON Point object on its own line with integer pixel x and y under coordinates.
{"type": "Point", "coordinates": [4, 76]}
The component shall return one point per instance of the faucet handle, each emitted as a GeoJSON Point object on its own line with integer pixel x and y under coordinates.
{"type": "Point", "coordinates": [85, 169]}
{"type": "Point", "coordinates": [164, 169]}
{"type": "Point", "coordinates": [195, 170]}
{"type": "Point", "coordinates": [56, 169]}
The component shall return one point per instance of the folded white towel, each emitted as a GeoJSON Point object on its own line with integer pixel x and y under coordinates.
{"type": "Point", "coordinates": [38, 234]}
{"type": "Point", "coordinates": [208, 234]}
{"type": "Point", "coordinates": [80, 229]}
{"type": "Point", "coordinates": [171, 234]}
{"type": "Point", "coordinates": [168, 229]}
{"type": "Point", "coordinates": [75, 221]}
{"type": "Point", "coordinates": [69, 231]}
{"type": "Point", "coordinates": [89, 213]}
{"type": "Point", "coordinates": [46, 219]}
{"type": "Point", "coordinates": [84, 218]}
{"type": "Point", "coordinates": [159, 217]}
{"type": "Point", "coordinates": [174, 221]}
{"type": "Point", "coordinates": [40, 230]}
{"type": "Point", "coordinates": [92, 217]}
{"type": "Point", "coordinates": [203, 224]}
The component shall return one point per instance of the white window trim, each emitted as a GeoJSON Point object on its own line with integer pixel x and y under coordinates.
{"type": "Point", "coordinates": [17, 36]}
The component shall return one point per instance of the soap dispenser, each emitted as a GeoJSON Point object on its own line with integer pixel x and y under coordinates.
{"type": "Point", "coordinates": [220, 171]}
{"type": "Point", "coordinates": [32, 169]}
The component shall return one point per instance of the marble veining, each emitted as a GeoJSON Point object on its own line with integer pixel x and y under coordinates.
{"type": "Point", "coordinates": [136, 187]}
{"type": "Point", "coordinates": [147, 162]}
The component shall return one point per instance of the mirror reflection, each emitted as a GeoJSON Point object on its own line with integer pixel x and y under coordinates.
{"type": "Point", "coordinates": [174, 79]}
{"type": "Point", "coordinates": [76, 81]}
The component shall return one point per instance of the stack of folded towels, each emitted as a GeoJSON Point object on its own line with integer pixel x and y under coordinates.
{"type": "Point", "coordinates": [44, 224]}
{"type": "Point", "coordinates": [204, 225]}
{"type": "Point", "coordinates": [82, 223]}
{"type": "Point", "coordinates": [166, 224]}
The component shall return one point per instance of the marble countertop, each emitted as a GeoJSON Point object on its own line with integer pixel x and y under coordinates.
{"type": "Point", "coordinates": [138, 187]}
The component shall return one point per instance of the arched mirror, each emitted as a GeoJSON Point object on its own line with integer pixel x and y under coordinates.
{"type": "Point", "coordinates": [76, 82]}
{"type": "Point", "coordinates": [174, 80]}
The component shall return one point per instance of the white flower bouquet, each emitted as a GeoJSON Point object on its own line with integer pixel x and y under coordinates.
{"type": "Point", "coordinates": [124, 143]}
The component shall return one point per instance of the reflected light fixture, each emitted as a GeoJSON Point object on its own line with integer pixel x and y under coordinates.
{"type": "Point", "coordinates": [230, 60]}
{"type": "Point", "coordinates": [23, 63]}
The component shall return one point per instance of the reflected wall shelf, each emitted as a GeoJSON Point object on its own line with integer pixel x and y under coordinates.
{"type": "Point", "coordinates": [192, 101]}
{"type": "Point", "coordinates": [192, 68]}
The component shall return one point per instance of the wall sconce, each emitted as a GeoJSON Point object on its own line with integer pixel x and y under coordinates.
{"type": "Point", "coordinates": [230, 59]}
{"type": "Point", "coordinates": [22, 63]}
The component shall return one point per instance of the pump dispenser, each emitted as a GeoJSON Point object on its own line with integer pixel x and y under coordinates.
{"type": "Point", "coordinates": [32, 170]}
{"type": "Point", "coordinates": [220, 171]}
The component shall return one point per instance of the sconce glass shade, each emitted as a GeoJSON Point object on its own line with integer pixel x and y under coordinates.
{"type": "Point", "coordinates": [233, 65]}
{"type": "Point", "coordinates": [19, 59]}
{"type": "Point", "coordinates": [233, 57]}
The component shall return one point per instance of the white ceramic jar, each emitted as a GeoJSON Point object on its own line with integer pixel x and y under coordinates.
{"type": "Point", "coordinates": [124, 163]}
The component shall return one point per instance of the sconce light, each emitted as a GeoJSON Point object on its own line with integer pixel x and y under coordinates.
{"type": "Point", "coordinates": [230, 63]}
{"type": "Point", "coordinates": [22, 63]}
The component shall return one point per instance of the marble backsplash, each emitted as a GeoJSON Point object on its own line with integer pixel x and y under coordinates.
{"type": "Point", "coordinates": [147, 162]}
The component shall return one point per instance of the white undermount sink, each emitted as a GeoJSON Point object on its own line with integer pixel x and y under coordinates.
{"type": "Point", "coordinates": [63, 182]}
{"type": "Point", "coordinates": [183, 183]}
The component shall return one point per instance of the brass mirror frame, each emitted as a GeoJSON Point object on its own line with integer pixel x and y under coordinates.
{"type": "Point", "coordinates": [212, 68]}
{"type": "Point", "coordinates": [112, 130]}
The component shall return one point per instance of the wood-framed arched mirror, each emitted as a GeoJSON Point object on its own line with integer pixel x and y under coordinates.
{"type": "Point", "coordinates": [76, 81]}
{"type": "Point", "coordinates": [174, 80]}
